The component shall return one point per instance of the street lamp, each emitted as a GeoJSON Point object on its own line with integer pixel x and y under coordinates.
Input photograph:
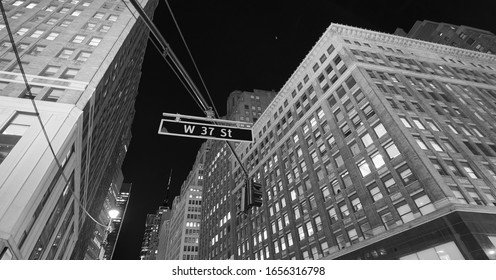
{"type": "Point", "coordinates": [113, 213]}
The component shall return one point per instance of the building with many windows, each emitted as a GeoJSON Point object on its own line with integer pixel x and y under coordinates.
{"type": "Point", "coordinates": [184, 226]}
{"type": "Point", "coordinates": [377, 147]}
{"type": "Point", "coordinates": [151, 238]}
{"type": "Point", "coordinates": [242, 106]}
{"type": "Point", "coordinates": [82, 60]}
{"type": "Point", "coordinates": [453, 35]}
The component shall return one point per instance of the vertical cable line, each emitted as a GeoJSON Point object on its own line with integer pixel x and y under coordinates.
{"type": "Point", "coordinates": [168, 52]}
{"type": "Point", "coordinates": [28, 88]}
{"type": "Point", "coordinates": [168, 62]}
{"type": "Point", "coordinates": [216, 113]}
{"type": "Point", "coordinates": [192, 59]}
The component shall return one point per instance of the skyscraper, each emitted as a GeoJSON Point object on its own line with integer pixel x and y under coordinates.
{"type": "Point", "coordinates": [217, 211]}
{"type": "Point", "coordinates": [82, 60]}
{"type": "Point", "coordinates": [183, 228]}
{"type": "Point", "coordinates": [453, 35]}
{"type": "Point", "coordinates": [150, 244]}
{"type": "Point", "coordinates": [377, 147]}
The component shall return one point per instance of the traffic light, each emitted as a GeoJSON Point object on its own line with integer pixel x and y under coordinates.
{"type": "Point", "coordinates": [255, 194]}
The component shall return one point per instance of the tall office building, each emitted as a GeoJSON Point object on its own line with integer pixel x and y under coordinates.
{"type": "Point", "coordinates": [453, 35]}
{"type": "Point", "coordinates": [83, 63]}
{"type": "Point", "coordinates": [182, 237]}
{"type": "Point", "coordinates": [150, 244]}
{"type": "Point", "coordinates": [121, 203]}
{"type": "Point", "coordinates": [377, 147]}
{"type": "Point", "coordinates": [243, 106]}
{"type": "Point", "coordinates": [163, 237]}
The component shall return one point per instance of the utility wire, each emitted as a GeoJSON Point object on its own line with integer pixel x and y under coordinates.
{"type": "Point", "coordinates": [168, 62]}
{"type": "Point", "coordinates": [216, 113]}
{"type": "Point", "coordinates": [28, 89]}
{"type": "Point", "coordinates": [192, 59]}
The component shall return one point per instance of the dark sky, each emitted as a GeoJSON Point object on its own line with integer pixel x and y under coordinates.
{"type": "Point", "coordinates": [242, 45]}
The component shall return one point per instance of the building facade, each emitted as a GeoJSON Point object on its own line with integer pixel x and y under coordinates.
{"type": "Point", "coordinates": [453, 35]}
{"type": "Point", "coordinates": [83, 63]}
{"type": "Point", "coordinates": [150, 244]}
{"type": "Point", "coordinates": [184, 226]}
{"type": "Point", "coordinates": [242, 106]}
{"type": "Point", "coordinates": [377, 147]}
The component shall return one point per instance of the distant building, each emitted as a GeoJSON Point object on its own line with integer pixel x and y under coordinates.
{"type": "Point", "coordinates": [150, 244]}
{"type": "Point", "coordinates": [217, 211]}
{"type": "Point", "coordinates": [377, 147]}
{"type": "Point", "coordinates": [83, 63]}
{"type": "Point", "coordinates": [121, 203]}
{"type": "Point", "coordinates": [163, 237]}
{"type": "Point", "coordinates": [182, 238]}
{"type": "Point", "coordinates": [453, 35]}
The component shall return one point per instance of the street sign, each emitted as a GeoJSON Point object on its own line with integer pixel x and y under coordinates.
{"type": "Point", "coordinates": [179, 127]}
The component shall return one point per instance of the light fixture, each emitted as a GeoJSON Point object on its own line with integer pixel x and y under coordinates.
{"type": "Point", "coordinates": [113, 213]}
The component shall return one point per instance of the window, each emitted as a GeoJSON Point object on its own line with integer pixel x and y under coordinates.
{"type": "Point", "coordinates": [435, 145]}
{"type": "Point", "coordinates": [367, 110]}
{"type": "Point", "coordinates": [452, 128]}
{"type": "Point", "coordinates": [51, 21]}
{"type": "Point", "coordinates": [438, 166]}
{"type": "Point", "coordinates": [76, 13]}
{"type": "Point", "coordinates": [392, 150]}
{"type": "Point", "coordinates": [405, 212]}
{"type": "Point", "coordinates": [309, 227]}
{"type": "Point", "coordinates": [113, 18]}
{"type": "Point", "coordinates": [458, 195]}
{"type": "Point", "coordinates": [65, 23]}
{"type": "Point", "coordinates": [375, 192]}
{"type": "Point", "coordinates": [471, 173]}
{"type": "Point", "coordinates": [50, 8]}
{"type": "Point", "coordinates": [432, 125]}
{"type": "Point", "coordinates": [52, 36]}
{"type": "Point", "coordinates": [69, 73]}
{"type": "Point", "coordinates": [12, 132]}
{"type": "Point", "coordinates": [22, 31]}
{"type": "Point", "coordinates": [355, 202]}
{"type": "Point", "coordinates": [63, 10]}
{"type": "Point", "coordinates": [37, 34]}
{"type": "Point", "coordinates": [423, 203]}
{"type": "Point", "coordinates": [380, 130]}
{"type": "Point", "coordinates": [18, 3]}
{"type": "Point", "coordinates": [95, 41]}
{"type": "Point", "coordinates": [344, 210]}
{"type": "Point", "coordinates": [364, 168]}
{"type": "Point", "coordinates": [335, 187]}
{"type": "Point", "coordinates": [388, 220]}
{"type": "Point", "coordinates": [50, 71]}
{"type": "Point", "coordinates": [78, 39]}
{"type": "Point", "coordinates": [420, 143]}
{"type": "Point", "coordinates": [301, 233]}
{"type": "Point", "coordinates": [332, 215]}
{"type": "Point", "coordinates": [418, 123]}
{"type": "Point", "coordinates": [446, 251]}
{"type": "Point", "coordinates": [377, 160]}
{"type": "Point", "coordinates": [65, 53]}
{"type": "Point", "coordinates": [406, 174]}
{"type": "Point", "coordinates": [366, 140]}
{"type": "Point", "coordinates": [83, 56]}
{"type": "Point", "coordinates": [99, 15]}
{"type": "Point", "coordinates": [104, 28]}
{"type": "Point", "coordinates": [405, 122]}
{"type": "Point", "coordinates": [452, 167]}
{"type": "Point", "coordinates": [353, 236]}
{"type": "Point", "coordinates": [473, 194]}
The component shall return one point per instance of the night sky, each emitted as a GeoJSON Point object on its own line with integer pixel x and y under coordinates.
{"type": "Point", "coordinates": [241, 45]}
